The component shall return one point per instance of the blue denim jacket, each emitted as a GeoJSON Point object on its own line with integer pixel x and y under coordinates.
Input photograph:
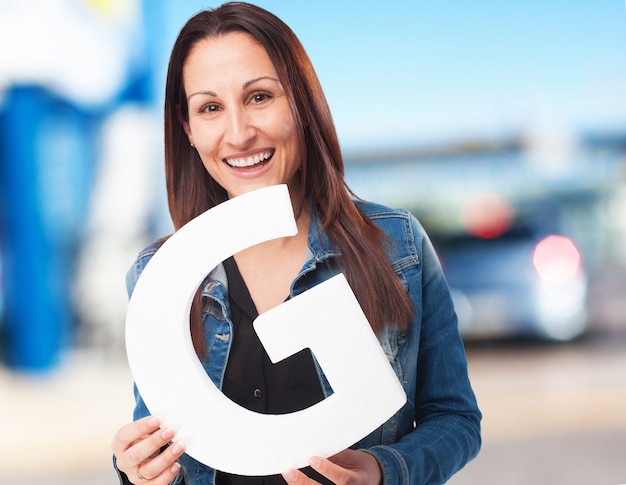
{"type": "Point", "coordinates": [438, 430]}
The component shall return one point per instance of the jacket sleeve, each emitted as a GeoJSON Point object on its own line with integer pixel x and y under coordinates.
{"type": "Point", "coordinates": [121, 476]}
{"type": "Point", "coordinates": [447, 419]}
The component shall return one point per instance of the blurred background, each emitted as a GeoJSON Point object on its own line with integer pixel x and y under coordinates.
{"type": "Point", "coordinates": [501, 125]}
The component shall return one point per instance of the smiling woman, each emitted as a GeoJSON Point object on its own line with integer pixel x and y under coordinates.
{"type": "Point", "coordinates": [244, 110]}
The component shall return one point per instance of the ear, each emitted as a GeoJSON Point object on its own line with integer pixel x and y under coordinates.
{"type": "Point", "coordinates": [184, 123]}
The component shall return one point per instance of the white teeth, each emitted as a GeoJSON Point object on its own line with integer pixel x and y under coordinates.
{"type": "Point", "coordinates": [248, 162]}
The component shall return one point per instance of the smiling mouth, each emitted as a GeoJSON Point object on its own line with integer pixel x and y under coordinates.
{"type": "Point", "coordinates": [248, 162]}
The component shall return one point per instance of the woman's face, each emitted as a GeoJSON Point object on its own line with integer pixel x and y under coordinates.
{"type": "Point", "coordinates": [239, 116]}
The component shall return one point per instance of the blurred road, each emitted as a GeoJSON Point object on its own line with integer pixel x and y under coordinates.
{"type": "Point", "coordinates": [57, 428]}
{"type": "Point", "coordinates": [553, 413]}
{"type": "Point", "coordinates": [556, 413]}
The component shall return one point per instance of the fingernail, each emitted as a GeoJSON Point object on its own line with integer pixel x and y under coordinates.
{"type": "Point", "coordinates": [177, 448]}
{"type": "Point", "coordinates": [175, 468]}
{"type": "Point", "coordinates": [315, 461]}
{"type": "Point", "coordinates": [167, 433]}
{"type": "Point", "coordinates": [290, 476]}
{"type": "Point", "coordinates": [154, 421]}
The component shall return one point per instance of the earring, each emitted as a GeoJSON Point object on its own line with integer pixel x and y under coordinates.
{"type": "Point", "coordinates": [192, 145]}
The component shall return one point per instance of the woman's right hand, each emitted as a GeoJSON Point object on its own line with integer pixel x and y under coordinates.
{"type": "Point", "coordinates": [137, 449]}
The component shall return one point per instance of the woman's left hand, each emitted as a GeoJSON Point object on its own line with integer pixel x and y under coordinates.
{"type": "Point", "coordinates": [348, 467]}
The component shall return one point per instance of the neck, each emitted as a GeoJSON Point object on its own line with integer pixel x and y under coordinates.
{"type": "Point", "coordinates": [270, 267]}
{"type": "Point", "coordinates": [285, 245]}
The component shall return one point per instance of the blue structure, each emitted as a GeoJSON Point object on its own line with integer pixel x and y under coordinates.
{"type": "Point", "coordinates": [47, 154]}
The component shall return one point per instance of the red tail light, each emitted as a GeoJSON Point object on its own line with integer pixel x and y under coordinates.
{"type": "Point", "coordinates": [557, 259]}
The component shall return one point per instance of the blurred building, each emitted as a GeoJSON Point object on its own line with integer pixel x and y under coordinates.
{"type": "Point", "coordinates": [66, 69]}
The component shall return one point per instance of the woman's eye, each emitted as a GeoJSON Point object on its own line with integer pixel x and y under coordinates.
{"type": "Point", "coordinates": [259, 98]}
{"type": "Point", "coordinates": [210, 108]}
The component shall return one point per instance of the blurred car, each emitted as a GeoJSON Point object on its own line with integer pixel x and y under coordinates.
{"type": "Point", "coordinates": [510, 279]}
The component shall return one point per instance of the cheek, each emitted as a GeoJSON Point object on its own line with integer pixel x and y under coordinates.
{"type": "Point", "coordinates": [207, 153]}
{"type": "Point", "coordinates": [286, 130]}
{"type": "Point", "coordinates": [289, 129]}
{"type": "Point", "coordinates": [283, 124]}
{"type": "Point", "coordinates": [212, 168]}
{"type": "Point", "coordinates": [205, 137]}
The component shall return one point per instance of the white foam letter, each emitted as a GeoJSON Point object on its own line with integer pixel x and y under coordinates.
{"type": "Point", "coordinates": [327, 319]}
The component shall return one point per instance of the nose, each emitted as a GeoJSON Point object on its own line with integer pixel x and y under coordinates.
{"type": "Point", "coordinates": [240, 130]}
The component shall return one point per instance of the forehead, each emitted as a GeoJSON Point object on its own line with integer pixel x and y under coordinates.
{"type": "Point", "coordinates": [227, 57]}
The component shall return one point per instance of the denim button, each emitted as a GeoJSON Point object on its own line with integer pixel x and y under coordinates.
{"type": "Point", "coordinates": [257, 393]}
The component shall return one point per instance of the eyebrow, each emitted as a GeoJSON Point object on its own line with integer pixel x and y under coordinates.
{"type": "Point", "coordinates": [246, 85]}
{"type": "Point", "coordinates": [252, 81]}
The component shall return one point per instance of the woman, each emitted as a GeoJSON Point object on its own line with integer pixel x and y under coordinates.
{"type": "Point", "coordinates": [244, 110]}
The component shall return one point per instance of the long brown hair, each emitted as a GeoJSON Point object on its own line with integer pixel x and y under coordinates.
{"type": "Point", "coordinates": [191, 190]}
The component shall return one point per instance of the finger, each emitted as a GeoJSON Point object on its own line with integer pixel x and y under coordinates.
{"type": "Point", "coordinates": [142, 450]}
{"type": "Point", "coordinates": [296, 477]}
{"type": "Point", "coordinates": [150, 446]}
{"type": "Point", "coordinates": [163, 464]}
{"type": "Point", "coordinates": [352, 466]}
{"type": "Point", "coordinates": [335, 473]}
{"type": "Point", "coordinates": [132, 432]}
{"type": "Point", "coordinates": [164, 478]}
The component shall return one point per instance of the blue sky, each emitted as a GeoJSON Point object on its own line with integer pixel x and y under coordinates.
{"type": "Point", "coordinates": [418, 72]}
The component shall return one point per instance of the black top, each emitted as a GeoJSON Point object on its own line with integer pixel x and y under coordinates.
{"type": "Point", "coordinates": [252, 381]}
